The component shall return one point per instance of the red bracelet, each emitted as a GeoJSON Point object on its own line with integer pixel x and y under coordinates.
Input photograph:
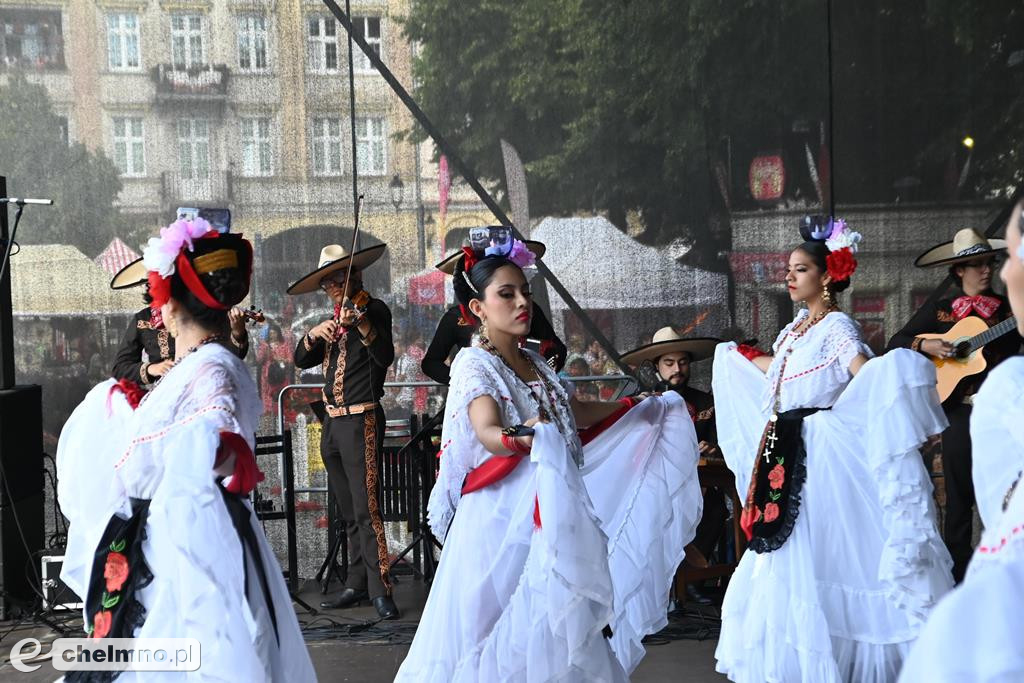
{"type": "Point", "coordinates": [513, 445]}
{"type": "Point", "coordinates": [750, 352]}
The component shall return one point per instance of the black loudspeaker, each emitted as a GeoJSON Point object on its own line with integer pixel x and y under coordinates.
{"type": "Point", "coordinates": [21, 496]}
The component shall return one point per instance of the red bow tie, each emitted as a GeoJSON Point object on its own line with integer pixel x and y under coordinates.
{"type": "Point", "coordinates": [984, 305]}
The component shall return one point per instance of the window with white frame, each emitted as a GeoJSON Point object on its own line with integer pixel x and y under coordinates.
{"type": "Point", "coordinates": [322, 44]}
{"type": "Point", "coordinates": [187, 40]}
{"type": "Point", "coordinates": [371, 150]}
{"type": "Point", "coordinates": [252, 42]}
{"type": "Point", "coordinates": [368, 28]}
{"type": "Point", "coordinates": [193, 148]}
{"type": "Point", "coordinates": [327, 144]}
{"type": "Point", "coordinates": [123, 52]}
{"type": "Point", "coordinates": [257, 148]}
{"type": "Point", "coordinates": [129, 146]}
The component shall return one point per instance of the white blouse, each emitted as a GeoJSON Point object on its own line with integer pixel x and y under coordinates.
{"type": "Point", "coordinates": [817, 364]}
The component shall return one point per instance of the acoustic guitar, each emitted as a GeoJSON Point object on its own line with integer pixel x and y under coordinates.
{"type": "Point", "coordinates": [968, 337]}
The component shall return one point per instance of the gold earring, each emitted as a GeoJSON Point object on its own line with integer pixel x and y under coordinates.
{"type": "Point", "coordinates": [483, 329]}
{"type": "Point", "coordinates": [172, 325]}
{"type": "Point", "coordinates": [826, 297]}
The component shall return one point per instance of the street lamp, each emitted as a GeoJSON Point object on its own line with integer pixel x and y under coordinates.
{"type": "Point", "coordinates": [397, 189]}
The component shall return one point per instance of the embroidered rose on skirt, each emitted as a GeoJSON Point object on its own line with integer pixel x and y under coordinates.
{"type": "Point", "coordinates": [115, 571]}
{"type": "Point", "coordinates": [776, 478]}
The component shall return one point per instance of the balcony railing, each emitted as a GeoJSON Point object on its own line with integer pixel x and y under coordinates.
{"type": "Point", "coordinates": [177, 189]}
{"type": "Point", "coordinates": [192, 85]}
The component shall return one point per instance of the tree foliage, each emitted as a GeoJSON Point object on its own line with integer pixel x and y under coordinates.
{"type": "Point", "coordinates": [621, 105]}
{"type": "Point", "coordinates": [38, 162]}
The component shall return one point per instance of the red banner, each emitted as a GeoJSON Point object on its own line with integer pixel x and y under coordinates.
{"type": "Point", "coordinates": [427, 289]}
{"type": "Point", "coordinates": [767, 178]}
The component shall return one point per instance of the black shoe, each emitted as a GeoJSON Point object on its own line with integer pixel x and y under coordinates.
{"type": "Point", "coordinates": [386, 608]}
{"type": "Point", "coordinates": [349, 597]}
{"type": "Point", "coordinates": [696, 595]}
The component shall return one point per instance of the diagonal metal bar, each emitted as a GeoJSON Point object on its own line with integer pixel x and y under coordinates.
{"type": "Point", "coordinates": [467, 173]}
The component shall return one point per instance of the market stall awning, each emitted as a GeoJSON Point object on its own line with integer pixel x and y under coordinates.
{"type": "Point", "coordinates": [58, 279]}
{"type": "Point", "coordinates": [116, 256]}
{"type": "Point", "coordinates": [427, 288]}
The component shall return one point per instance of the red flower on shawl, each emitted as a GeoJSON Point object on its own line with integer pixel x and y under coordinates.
{"type": "Point", "coordinates": [771, 513]}
{"type": "Point", "coordinates": [776, 477]}
{"type": "Point", "coordinates": [115, 571]}
{"type": "Point", "coordinates": [841, 264]}
{"type": "Point", "coordinates": [101, 624]}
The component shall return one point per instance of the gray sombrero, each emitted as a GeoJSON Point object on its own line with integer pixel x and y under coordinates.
{"type": "Point", "coordinates": [333, 258]}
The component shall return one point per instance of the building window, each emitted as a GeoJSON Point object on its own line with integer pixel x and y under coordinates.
{"type": "Point", "coordinates": [257, 159]}
{"type": "Point", "coordinates": [252, 43]}
{"type": "Point", "coordinates": [193, 148]}
{"type": "Point", "coordinates": [31, 39]}
{"type": "Point", "coordinates": [327, 142]}
{"type": "Point", "coordinates": [367, 28]}
{"type": "Point", "coordinates": [129, 146]}
{"type": "Point", "coordinates": [371, 155]}
{"type": "Point", "coordinates": [187, 40]}
{"type": "Point", "coordinates": [322, 45]}
{"type": "Point", "coordinates": [123, 42]}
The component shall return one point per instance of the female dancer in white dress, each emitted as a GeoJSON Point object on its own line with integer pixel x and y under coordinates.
{"type": "Point", "coordinates": [844, 560]}
{"type": "Point", "coordinates": [552, 546]}
{"type": "Point", "coordinates": [976, 634]}
{"type": "Point", "coordinates": [162, 542]}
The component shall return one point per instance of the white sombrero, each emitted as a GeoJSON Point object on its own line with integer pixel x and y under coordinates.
{"type": "Point", "coordinates": [667, 340]}
{"type": "Point", "coordinates": [967, 244]}
{"type": "Point", "coordinates": [447, 266]}
{"type": "Point", "coordinates": [130, 276]}
{"type": "Point", "coordinates": [333, 258]}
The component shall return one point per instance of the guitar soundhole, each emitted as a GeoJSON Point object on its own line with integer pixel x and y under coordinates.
{"type": "Point", "coordinates": [962, 350]}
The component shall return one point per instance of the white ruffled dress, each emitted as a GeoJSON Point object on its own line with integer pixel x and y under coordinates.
{"type": "Point", "coordinates": [164, 451]}
{"type": "Point", "coordinates": [846, 595]}
{"type": "Point", "coordinates": [512, 602]}
{"type": "Point", "coordinates": [976, 634]}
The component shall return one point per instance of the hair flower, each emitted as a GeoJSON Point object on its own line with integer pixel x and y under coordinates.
{"type": "Point", "coordinates": [520, 254]}
{"type": "Point", "coordinates": [161, 252]}
{"type": "Point", "coordinates": [842, 237]}
{"type": "Point", "coordinates": [841, 264]}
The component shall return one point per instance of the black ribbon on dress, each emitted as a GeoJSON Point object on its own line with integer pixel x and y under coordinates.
{"type": "Point", "coordinates": [773, 498]}
{"type": "Point", "coordinates": [119, 572]}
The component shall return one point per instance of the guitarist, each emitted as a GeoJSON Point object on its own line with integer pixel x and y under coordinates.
{"type": "Point", "coordinates": [972, 262]}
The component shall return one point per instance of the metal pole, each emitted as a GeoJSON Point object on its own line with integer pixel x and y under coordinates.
{"type": "Point", "coordinates": [6, 305]}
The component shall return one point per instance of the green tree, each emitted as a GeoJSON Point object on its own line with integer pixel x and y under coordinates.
{"type": "Point", "coordinates": [39, 163]}
{"type": "Point", "coordinates": [623, 106]}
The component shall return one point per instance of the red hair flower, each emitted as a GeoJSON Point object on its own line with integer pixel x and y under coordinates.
{"type": "Point", "coordinates": [101, 624]}
{"type": "Point", "coordinates": [771, 513]}
{"type": "Point", "coordinates": [841, 264]}
{"type": "Point", "coordinates": [777, 476]}
{"type": "Point", "coordinates": [115, 571]}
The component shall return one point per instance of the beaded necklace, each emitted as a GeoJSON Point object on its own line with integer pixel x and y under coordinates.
{"type": "Point", "coordinates": [542, 411]}
{"type": "Point", "coordinates": [770, 437]}
{"type": "Point", "coordinates": [188, 352]}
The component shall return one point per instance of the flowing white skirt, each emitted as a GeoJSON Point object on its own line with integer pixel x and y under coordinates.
{"type": "Point", "coordinates": [514, 603]}
{"type": "Point", "coordinates": [846, 595]}
{"type": "Point", "coordinates": [191, 547]}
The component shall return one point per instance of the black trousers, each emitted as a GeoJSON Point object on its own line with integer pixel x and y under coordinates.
{"type": "Point", "coordinates": [351, 448]}
{"type": "Point", "coordinates": [712, 522]}
{"type": "Point", "coordinates": [956, 467]}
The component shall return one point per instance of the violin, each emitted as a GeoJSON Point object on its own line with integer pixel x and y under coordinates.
{"type": "Point", "coordinates": [360, 300]}
{"type": "Point", "coordinates": [252, 315]}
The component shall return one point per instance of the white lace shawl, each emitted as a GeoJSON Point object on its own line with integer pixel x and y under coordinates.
{"type": "Point", "coordinates": [476, 372]}
{"type": "Point", "coordinates": [818, 369]}
{"type": "Point", "coordinates": [208, 392]}
{"type": "Point", "coordinates": [997, 436]}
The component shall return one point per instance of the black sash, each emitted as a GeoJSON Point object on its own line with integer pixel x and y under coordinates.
{"type": "Point", "coordinates": [773, 499]}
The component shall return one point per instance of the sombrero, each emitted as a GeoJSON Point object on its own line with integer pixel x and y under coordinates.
{"type": "Point", "coordinates": [131, 275]}
{"type": "Point", "coordinates": [447, 266]}
{"type": "Point", "coordinates": [333, 258]}
{"type": "Point", "coordinates": [667, 340]}
{"type": "Point", "coordinates": [967, 244]}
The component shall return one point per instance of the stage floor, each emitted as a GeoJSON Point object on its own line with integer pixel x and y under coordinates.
{"type": "Point", "coordinates": [343, 650]}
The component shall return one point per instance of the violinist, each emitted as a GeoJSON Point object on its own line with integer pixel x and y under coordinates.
{"type": "Point", "coordinates": [355, 348]}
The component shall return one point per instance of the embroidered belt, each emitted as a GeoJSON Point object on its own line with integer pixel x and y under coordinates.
{"type": "Point", "coordinates": [343, 411]}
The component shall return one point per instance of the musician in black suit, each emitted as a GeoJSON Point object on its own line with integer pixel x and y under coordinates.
{"type": "Point", "coordinates": [972, 261]}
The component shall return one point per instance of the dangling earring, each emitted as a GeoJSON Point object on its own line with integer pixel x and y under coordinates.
{"type": "Point", "coordinates": [483, 330]}
{"type": "Point", "coordinates": [826, 297]}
